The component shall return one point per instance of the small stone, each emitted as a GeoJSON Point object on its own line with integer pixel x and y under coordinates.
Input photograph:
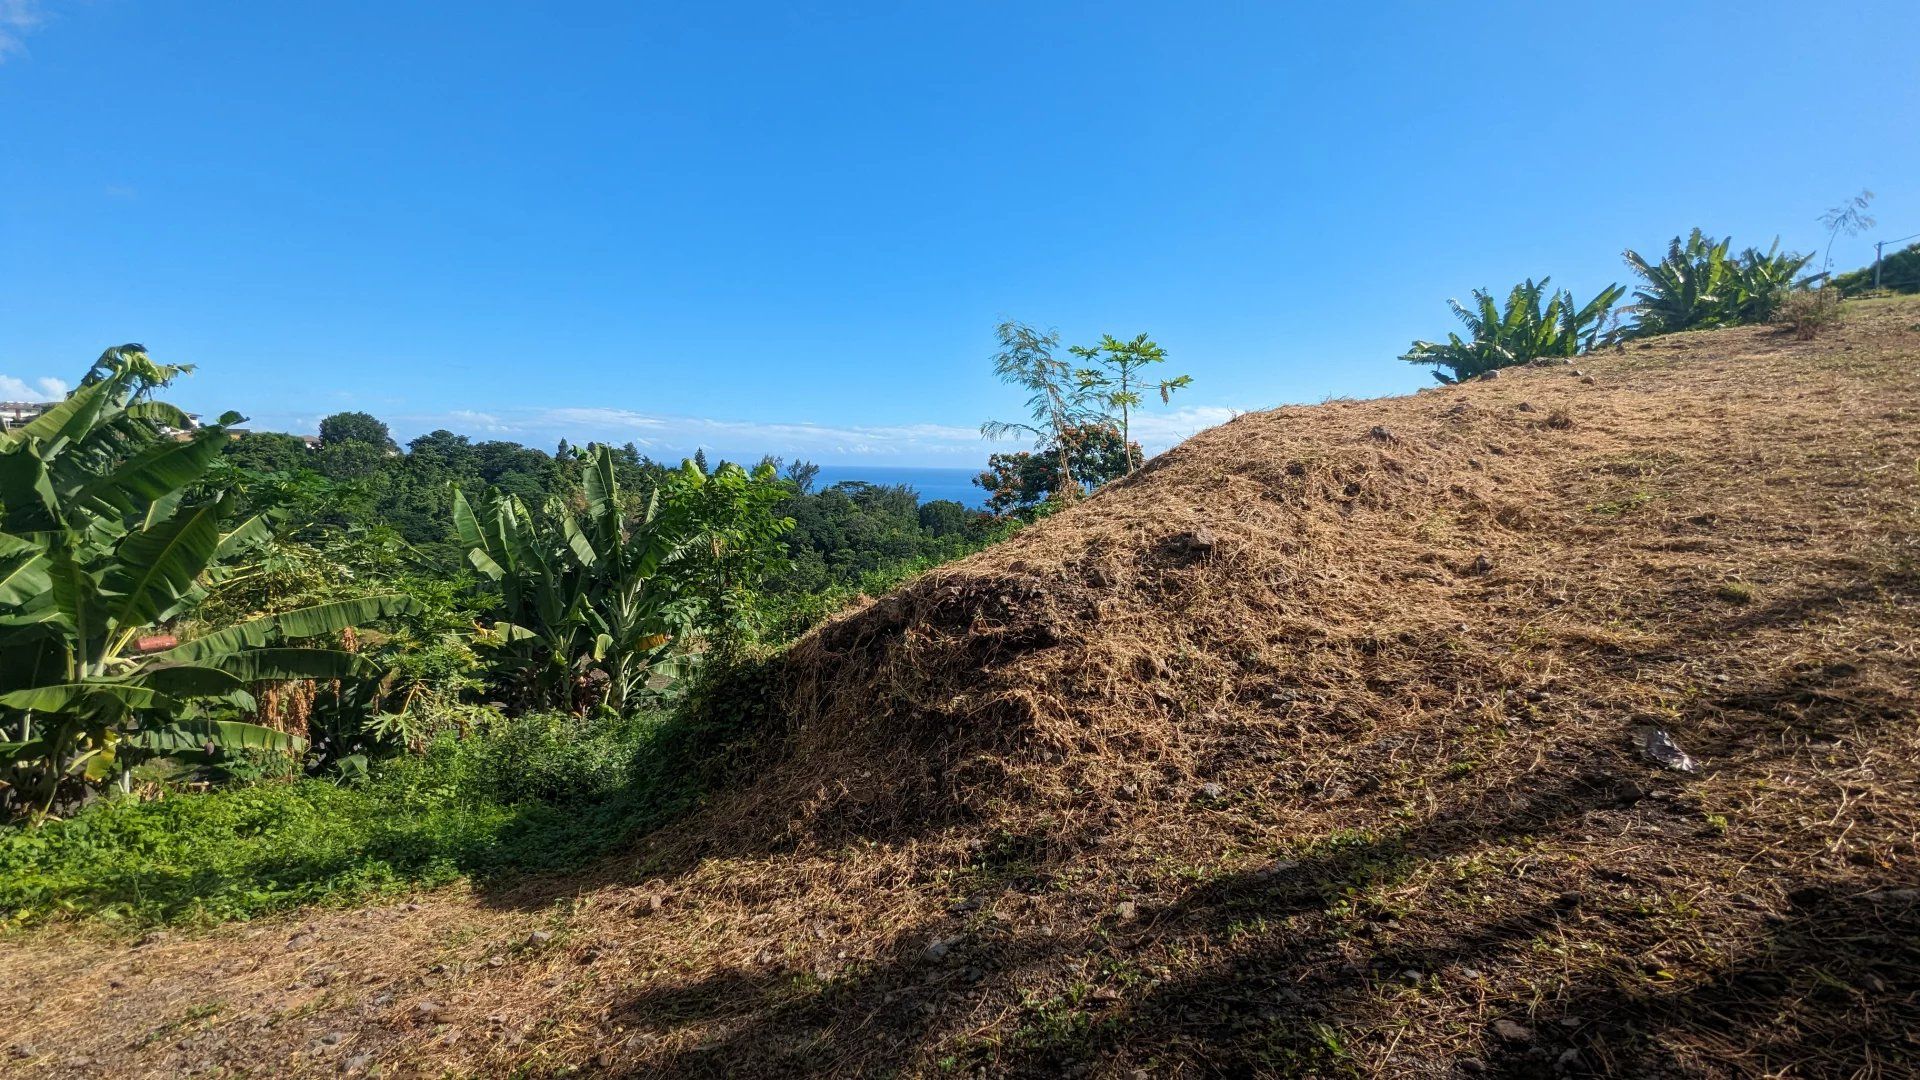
{"type": "Point", "coordinates": [1512, 1032]}
{"type": "Point", "coordinates": [937, 950]}
{"type": "Point", "coordinates": [539, 937]}
{"type": "Point", "coordinates": [1126, 910]}
{"type": "Point", "coordinates": [1470, 973]}
{"type": "Point", "coordinates": [1197, 542]}
{"type": "Point", "coordinates": [1211, 790]}
{"type": "Point", "coordinates": [1471, 1065]}
{"type": "Point", "coordinates": [1411, 977]}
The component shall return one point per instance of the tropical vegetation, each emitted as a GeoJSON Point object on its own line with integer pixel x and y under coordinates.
{"type": "Point", "coordinates": [1698, 285]}
{"type": "Point", "coordinates": [1534, 324]}
{"type": "Point", "coordinates": [108, 537]}
{"type": "Point", "coordinates": [1081, 418]}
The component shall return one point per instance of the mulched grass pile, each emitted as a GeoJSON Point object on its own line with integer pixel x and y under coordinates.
{"type": "Point", "coordinates": [1314, 749]}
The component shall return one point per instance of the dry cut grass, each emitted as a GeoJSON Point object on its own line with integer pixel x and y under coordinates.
{"type": "Point", "coordinates": [1308, 751]}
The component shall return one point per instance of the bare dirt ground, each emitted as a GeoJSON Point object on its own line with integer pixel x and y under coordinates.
{"type": "Point", "coordinates": [1309, 751]}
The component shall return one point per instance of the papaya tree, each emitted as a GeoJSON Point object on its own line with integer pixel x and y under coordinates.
{"type": "Point", "coordinates": [1116, 375]}
{"type": "Point", "coordinates": [109, 535]}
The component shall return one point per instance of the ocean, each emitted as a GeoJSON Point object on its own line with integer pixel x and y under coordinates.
{"type": "Point", "coordinates": [930, 481]}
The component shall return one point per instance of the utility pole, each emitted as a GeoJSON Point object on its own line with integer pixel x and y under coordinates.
{"type": "Point", "coordinates": [1879, 251]}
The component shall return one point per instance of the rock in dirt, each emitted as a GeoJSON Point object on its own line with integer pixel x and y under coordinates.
{"type": "Point", "coordinates": [1212, 791]}
{"type": "Point", "coordinates": [938, 949]}
{"type": "Point", "coordinates": [1512, 1032]}
{"type": "Point", "coordinates": [1659, 747]}
{"type": "Point", "coordinates": [1196, 543]}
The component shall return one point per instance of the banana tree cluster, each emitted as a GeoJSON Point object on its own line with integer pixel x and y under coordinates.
{"type": "Point", "coordinates": [594, 600]}
{"type": "Point", "coordinates": [1698, 285]}
{"type": "Point", "coordinates": [1535, 324]}
{"type": "Point", "coordinates": [110, 534]}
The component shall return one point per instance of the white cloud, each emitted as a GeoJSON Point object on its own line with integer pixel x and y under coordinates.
{"type": "Point", "coordinates": [1156, 431]}
{"type": "Point", "coordinates": [42, 389]}
{"type": "Point", "coordinates": [17, 19]}
{"type": "Point", "coordinates": [668, 437]}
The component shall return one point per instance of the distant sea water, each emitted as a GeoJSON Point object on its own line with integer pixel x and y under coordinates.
{"type": "Point", "coordinates": [931, 482]}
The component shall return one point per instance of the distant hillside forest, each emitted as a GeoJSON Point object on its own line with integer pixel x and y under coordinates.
{"type": "Point", "coordinates": [359, 477]}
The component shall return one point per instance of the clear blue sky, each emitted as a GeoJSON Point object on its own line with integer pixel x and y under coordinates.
{"type": "Point", "coordinates": [790, 228]}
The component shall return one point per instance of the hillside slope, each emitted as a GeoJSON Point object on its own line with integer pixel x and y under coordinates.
{"type": "Point", "coordinates": [1313, 749]}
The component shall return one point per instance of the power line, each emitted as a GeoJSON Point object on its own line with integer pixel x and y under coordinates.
{"type": "Point", "coordinates": [1879, 248]}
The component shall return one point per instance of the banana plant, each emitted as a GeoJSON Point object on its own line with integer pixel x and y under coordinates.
{"type": "Point", "coordinates": [602, 594]}
{"type": "Point", "coordinates": [579, 592]}
{"type": "Point", "coordinates": [1697, 285]}
{"type": "Point", "coordinates": [107, 536]}
{"type": "Point", "coordinates": [1525, 330]}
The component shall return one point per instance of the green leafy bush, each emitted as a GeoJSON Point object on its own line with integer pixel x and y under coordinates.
{"type": "Point", "coordinates": [551, 757]}
{"type": "Point", "coordinates": [534, 794]}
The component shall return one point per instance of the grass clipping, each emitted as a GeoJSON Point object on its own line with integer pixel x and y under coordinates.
{"type": "Point", "coordinates": [1316, 748]}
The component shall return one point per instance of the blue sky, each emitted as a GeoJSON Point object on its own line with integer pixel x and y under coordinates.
{"type": "Point", "coordinates": [790, 228]}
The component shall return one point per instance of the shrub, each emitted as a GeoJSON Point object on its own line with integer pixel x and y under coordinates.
{"type": "Point", "coordinates": [550, 757]}
{"type": "Point", "coordinates": [1809, 312]}
{"type": "Point", "coordinates": [537, 793]}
